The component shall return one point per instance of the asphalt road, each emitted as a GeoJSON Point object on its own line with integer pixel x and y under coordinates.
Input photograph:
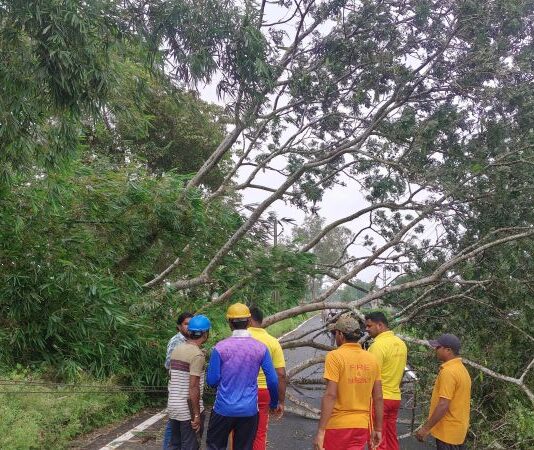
{"type": "Point", "coordinates": [293, 432]}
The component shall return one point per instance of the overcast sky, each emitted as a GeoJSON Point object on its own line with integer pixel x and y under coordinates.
{"type": "Point", "coordinates": [338, 202]}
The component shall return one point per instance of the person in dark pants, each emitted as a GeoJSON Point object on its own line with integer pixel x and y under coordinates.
{"type": "Point", "coordinates": [185, 407]}
{"type": "Point", "coordinates": [179, 338]}
{"type": "Point", "coordinates": [448, 420]}
{"type": "Point", "coordinates": [233, 368]}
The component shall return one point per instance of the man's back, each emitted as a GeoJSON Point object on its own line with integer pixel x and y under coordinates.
{"type": "Point", "coordinates": [240, 359]}
{"type": "Point", "coordinates": [355, 372]}
{"type": "Point", "coordinates": [391, 353]}
{"type": "Point", "coordinates": [274, 348]}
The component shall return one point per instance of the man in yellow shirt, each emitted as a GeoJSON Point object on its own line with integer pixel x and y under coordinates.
{"type": "Point", "coordinates": [391, 353]}
{"type": "Point", "coordinates": [277, 355]}
{"type": "Point", "coordinates": [450, 404]}
{"type": "Point", "coordinates": [352, 383]}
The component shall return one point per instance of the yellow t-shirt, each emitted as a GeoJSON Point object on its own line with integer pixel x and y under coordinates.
{"type": "Point", "coordinates": [453, 383]}
{"type": "Point", "coordinates": [391, 353]}
{"type": "Point", "coordinates": [355, 372]}
{"type": "Point", "coordinates": [275, 350]}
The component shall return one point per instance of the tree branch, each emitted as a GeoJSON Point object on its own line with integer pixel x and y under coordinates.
{"type": "Point", "coordinates": [167, 271]}
{"type": "Point", "coordinates": [517, 381]}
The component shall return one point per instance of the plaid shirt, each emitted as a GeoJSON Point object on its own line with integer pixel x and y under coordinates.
{"type": "Point", "coordinates": [177, 339]}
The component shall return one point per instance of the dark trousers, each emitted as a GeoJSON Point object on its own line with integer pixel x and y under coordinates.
{"type": "Point", "coordinates": [219, 429]}
{"type": "Point", "coordinates": [440, 445]}
{"type": "Point", "coordinates": [183, 437]}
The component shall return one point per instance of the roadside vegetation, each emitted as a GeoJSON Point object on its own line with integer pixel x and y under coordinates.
{"type": "Point", "coordinates": [37, 414]}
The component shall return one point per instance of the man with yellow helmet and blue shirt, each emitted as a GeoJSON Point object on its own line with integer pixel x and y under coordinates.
{"type": "Point", "coordinates": [233, 368]}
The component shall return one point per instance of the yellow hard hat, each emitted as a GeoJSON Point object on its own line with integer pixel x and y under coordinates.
{"type": "Point", "coordinates": [238, 311]}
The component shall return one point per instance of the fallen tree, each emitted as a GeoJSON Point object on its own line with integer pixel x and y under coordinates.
{"type": "Point", "coordinates": [422, 111]}
{"type": "Point", "coordinates": [419, 113]}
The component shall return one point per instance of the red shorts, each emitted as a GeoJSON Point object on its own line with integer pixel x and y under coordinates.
{"type": "Point", "coordinates": [345, 438]}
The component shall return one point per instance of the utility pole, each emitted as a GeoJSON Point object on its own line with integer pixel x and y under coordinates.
{"type": "Point", "coordinates": [275, 239]}
{"type": "Point", "coordinates": [274, 218]}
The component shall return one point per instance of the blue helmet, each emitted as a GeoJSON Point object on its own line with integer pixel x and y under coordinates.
{"type": "Point", "coordinates": [199, 323]}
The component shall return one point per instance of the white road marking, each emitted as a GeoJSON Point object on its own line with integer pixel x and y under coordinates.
{"type": "Point", "coordinates": [301, 325]}
{"type": "Point", "coordinates": [130, 434]}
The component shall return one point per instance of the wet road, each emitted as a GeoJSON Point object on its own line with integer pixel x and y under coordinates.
{"type": "Point", "coordinates": [293, 432]}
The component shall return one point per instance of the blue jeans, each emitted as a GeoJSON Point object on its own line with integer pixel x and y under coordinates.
{"type": "Point", "coordinates": [167, 435]}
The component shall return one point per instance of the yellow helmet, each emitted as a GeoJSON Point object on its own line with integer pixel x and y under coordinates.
{"type": "Point", "coordinates": [238, 311]}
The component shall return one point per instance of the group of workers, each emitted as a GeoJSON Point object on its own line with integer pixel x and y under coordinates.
{"type": "Point", "coordinates": [360, 405]}
{"type": "Point", "coordinates": [248, 370]}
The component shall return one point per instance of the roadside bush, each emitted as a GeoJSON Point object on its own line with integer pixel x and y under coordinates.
{"type": "Point", "coordinates": [34, 418]}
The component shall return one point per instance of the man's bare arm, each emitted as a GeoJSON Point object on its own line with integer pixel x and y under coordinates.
{"type": "Point", "coordinates": [282, 383]}
{"type": "Point", "coordinates": [438, 414]}
{"type": "Point", "coordinates": [327, 403]}
{"type": "Point", "coordinates": [378, 403]}
{"type": "Point", "coordinates": [441, 409]}
{"type": "Point", "coordinates": [194, 393]}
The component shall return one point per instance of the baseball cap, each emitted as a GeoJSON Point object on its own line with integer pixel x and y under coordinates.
{"type": "Point", "coordinates": [448, 341]}
{"type": "Point", "coordinates": [345, 324]}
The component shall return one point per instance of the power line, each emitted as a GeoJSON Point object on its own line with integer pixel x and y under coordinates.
{"type": "Point", "coordinates": [52, 383]}
{"type": "Point", "coordinates": [102, 392]}
{"type": "Point", "coordinates": [63, 388]}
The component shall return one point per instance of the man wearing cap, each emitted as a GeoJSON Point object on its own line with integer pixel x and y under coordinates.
{"type": "Point", "coordinates": [391, 353]}
{"type": "Point", "coordinates": [450, 404]}
{"type": "Point", "coordinates": [277, 355]}
{"type": "Point", "coordinates": [233, 368]}
{"type": "Point", "coordinates": [184, 406]}
{"type": "Point", "coordinates": [352, 385]}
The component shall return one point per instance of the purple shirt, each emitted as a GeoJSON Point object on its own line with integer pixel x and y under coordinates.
{"type": "Point", "coordinates": [233, 368]}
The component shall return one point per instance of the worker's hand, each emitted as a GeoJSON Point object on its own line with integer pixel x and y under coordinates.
{"type": "Point", "coordinates": [279, 411]}
{"type": "Point", "coordinates": [422, 433]}
{"type": "Point", "coordinates": [195, 423]}
{"type": "Point", "coordinates": [319, 440]}
{"type": "Point", "coordinates": [376, 438]}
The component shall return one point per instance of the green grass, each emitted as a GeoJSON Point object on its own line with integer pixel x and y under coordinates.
{"type": "Point", "coordinates": [43, 420]}
{"type": "Point", "coordinates": [282, 327]}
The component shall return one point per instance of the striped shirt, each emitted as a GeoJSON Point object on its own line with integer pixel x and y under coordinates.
{"type": "Point", "coordinates": [186, 360]}
{"type": "Point", "coordinates": [177, 339]}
